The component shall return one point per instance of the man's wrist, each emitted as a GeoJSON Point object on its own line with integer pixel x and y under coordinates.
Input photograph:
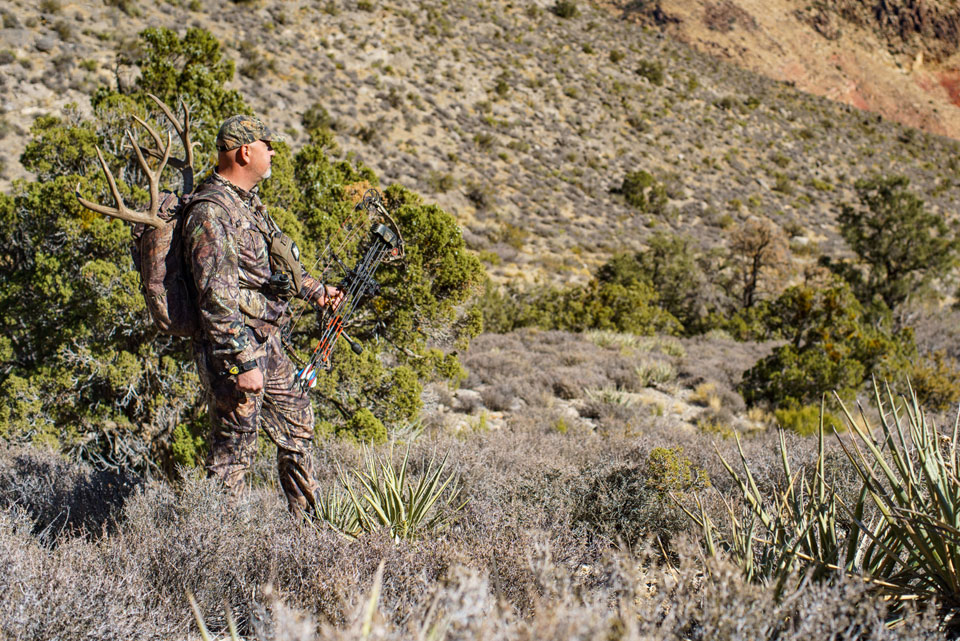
{"type": "Point", "coordinates": [240, 368]}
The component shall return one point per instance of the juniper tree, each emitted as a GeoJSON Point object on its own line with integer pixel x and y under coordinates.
{"type": "Point", "coordinates": [902, 246]}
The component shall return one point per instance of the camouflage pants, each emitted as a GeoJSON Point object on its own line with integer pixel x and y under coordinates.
{"type": "Point", "coordinates": [281, 409]}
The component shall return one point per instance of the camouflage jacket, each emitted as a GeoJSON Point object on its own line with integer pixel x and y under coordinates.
{"type": "Point", "coordinates": [227, 253]}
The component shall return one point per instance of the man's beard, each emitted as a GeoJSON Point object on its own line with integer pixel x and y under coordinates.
{"type": "Point", "coordinates": [266, 175]}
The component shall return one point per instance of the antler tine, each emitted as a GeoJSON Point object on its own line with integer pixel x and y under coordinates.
{"type": "Point", "coordinates": [120, 211]}
{"type": "Point", "coordinates": [153, 177]}
{"type": "Point", "coordinates": [183, 130]}
{"type": "Point", "coordinates": [187, 145]}
{"type": "Point", "coordinates": [156, 153]}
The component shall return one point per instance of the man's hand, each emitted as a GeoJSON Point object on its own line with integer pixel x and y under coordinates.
{"type": "Point", "coordinates": [330, 297]}
{"type": "Point", "coordinates": [250, 381]}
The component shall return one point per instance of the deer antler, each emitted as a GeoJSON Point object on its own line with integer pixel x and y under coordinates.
{"type": "Point", "coordinates": [153, 177]}
{"type": "Point", "coordinates": [185, 166]}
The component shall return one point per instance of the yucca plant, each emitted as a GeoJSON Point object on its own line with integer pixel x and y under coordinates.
{"type": "Point", "coordinates": [909, 471]}
{"type": "Point", "coordinates": [784, 532]}
{"type": "Point", "coordinates": [909, 551]}
{"type": "Point", "coordinates": [362, 625]}
{"type": "Point", "coordinates": [385, 496]}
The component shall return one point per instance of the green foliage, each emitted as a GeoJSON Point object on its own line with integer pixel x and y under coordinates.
{"type": "Point", "coordinates": [805, 420]}
{"type": "Point", "coordinates": [901, 245]}
{"type": "Point", "coordinates": [187, 446]}
{"type": "Point", "coordinates": [643, 191]}
{"type": "Point", "coordinates": [670, 263]}
{"type": "Point", "coordinates": [192, 68]}
{"type": "Point", "coordinates": [387, 498]}
{"type": "Point", "coordinates": [670, 471]}
{"type": "Point", "coordinates": [599, 305]}
{"type": "Point", "coordinates": [652, 70]}
{"type": "Point", "coordinates": [57, 148]}
{"type": "Point", "coordinates": [831, 346]}
{"type": "Point", "coordinates": [936, 380]}
{"type": "Point", "coordinates": [365, 427]}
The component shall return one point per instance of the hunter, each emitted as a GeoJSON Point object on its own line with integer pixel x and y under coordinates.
{"type": "Point", "coordinates": [245, 270]}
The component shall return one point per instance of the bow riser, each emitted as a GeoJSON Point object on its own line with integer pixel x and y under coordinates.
{"type": "Point", "coordinates": [357, 286]}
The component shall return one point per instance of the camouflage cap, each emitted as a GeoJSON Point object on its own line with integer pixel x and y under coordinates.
{"type": "Point", "coordinates": [243, 130]}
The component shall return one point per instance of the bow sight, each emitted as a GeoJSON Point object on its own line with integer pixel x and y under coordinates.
{"type": "Point", "coordinates": [356, 286]}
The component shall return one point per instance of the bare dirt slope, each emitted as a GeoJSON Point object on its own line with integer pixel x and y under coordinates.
{"type": "Point", "coordinates": [897, 58]}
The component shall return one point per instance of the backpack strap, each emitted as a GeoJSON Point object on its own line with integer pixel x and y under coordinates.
{"type": "Point", "coordinates": [217, 198]}
{"type": "Point", "coordinates": [214, 198]}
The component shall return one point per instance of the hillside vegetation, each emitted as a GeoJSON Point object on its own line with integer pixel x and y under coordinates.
{"type": "Point", "coordinates": [520, 122]}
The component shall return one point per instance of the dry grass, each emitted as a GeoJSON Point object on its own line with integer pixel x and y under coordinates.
{"type": "Point", "coordinates": [525, 562]}
{"type": "Point", "coordinates": [563, 537]}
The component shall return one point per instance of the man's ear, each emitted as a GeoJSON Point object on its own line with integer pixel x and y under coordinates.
{"type": "Point", "coordinates": [243, 154]}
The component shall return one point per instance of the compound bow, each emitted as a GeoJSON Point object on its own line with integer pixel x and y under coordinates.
{"type": "Point", "coordinates": [357, 285]}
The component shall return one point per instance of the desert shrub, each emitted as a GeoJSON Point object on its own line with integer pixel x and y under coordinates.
{"type": "Point", "coordinates": [643, 191]}
{"type": "Point", "coordinates": [317, 118]}
{"type": "Point", "coordinates": [805, 420]}
{"type": "Point", "coordinates": [600, 305]}
{"type": "Point", "coordinates": [629, 500]}
{"type": "Point", "coordinates": [832, 345]}
{"type": "Point", "coordinates": [670, 471]}
{"type": "Point", "coordinates": [440, 182]}
{"type": "Point", "coordinates": [480, 194]}
{"type": "Point", "coordinates": [935, 380]}
{"type": "Point", "coordinates": [652, 70]}
{"type": "Point", "coordinates": [565, 9]}
{"type": "Point", "coordinates": [60, 499]}
{"type": "Point", "coordinates": [365, 427]}
{"type": "Point", "coordinates": [129, 7]}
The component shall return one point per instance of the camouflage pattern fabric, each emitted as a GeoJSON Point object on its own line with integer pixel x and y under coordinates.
{"type": "Point", "coordinates": [227, 253]}
{"type": "Point", "coordinates": [243, 130]}
{"type": "Point", "coordinates": [281, 409]}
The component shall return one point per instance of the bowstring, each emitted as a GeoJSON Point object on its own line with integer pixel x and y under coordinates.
{"type": "Point", "coordinates": [351, 300]}
{"type": "Point", "coordinates": [326, 255]}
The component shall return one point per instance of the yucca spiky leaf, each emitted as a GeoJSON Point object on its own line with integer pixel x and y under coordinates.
{"type": "Point", "coordinates": [379, 494]}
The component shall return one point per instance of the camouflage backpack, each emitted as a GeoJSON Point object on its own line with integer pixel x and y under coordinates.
{"type": "Point", "coordinates": [165, 279]}
{"type": "Point", "coordinates": [157, 246]}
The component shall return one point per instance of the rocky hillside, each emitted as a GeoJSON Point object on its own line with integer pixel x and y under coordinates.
{"type": "Point", "coordinates": [898, 58]}
{"type": "Point", "coordinates": [521, 119]}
